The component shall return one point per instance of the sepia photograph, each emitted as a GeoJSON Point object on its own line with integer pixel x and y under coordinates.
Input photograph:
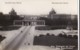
{"type": "Point", "coordinates": [39, 25]}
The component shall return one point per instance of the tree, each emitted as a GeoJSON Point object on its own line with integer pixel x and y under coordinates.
{"type": "Point", "coordinates": [2, 19]}
{"type": "Point", "coordinates": [47, 34]}
{"type": "Point", "coordinates": [14, 15]}
{"type": "Point", "coordinates": [75, 22]}
{"type": "Point", "coordinates": [65, 35]}
{"type": "Point", "coordinates": [51, 12]}
{"type": "Point", "coordinates": [75, 37]}
{"type": "Point", "coordinates": [69, 36]}
{"type": "Point", "coordinates": [60, 35]}
{"type": "Point", "coordinates": [1, 16]}
{"type": "Point", "coordinates": [41, 35]}
{"type": "Point", "coordinates": [12, 12]}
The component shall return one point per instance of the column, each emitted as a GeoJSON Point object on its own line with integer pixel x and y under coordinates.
{"type": "Point", "coordinates": [14, 23]}
{"type": "Point", "coordinates": [43, 22]}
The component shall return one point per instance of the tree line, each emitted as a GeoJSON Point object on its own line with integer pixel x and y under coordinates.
{"type": "Point", "coordinates": [60, 22]}
{"type": "Point", "coordinates": [7, 19]}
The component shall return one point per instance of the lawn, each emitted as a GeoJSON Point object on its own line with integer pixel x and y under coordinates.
{"type": "Point", "coordinates": [54, 40]}
{"type": "Point", "coordinates": [51, 27]}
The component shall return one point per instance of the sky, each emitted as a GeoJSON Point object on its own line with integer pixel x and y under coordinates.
{"type": "Point", "coordinates": [38, 7]}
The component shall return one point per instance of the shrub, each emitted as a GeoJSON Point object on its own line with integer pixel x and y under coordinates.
{"type": "Point", "coordinates": [69, 36]}
{"type": "Point", "coordinates": [41, 35]}
{"type": "Point", "coordinates": [65, 35]}
{"type": "Point", "coordinates": [52, 35]}
{"type": "Point", "coordinates": [47, 34]}
{"type": "Point", "coordinates": [60, 35]}
{"type": "Point", "coordinates": [75, 37]}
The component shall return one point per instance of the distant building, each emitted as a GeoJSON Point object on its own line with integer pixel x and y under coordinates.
{"type": "Point", "coordinates": [30, 17]}
{"type": "Point", "coordinates": [54, 15]}
{"type": "Point", "coordinates": [29, 20]}
{"type": "Point", "coordinates": [63, 18]}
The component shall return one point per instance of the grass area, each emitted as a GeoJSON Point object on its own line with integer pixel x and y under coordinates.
{"type": "Point", "coordinates": [54, 40]}
{"type": "Point", "coordinates": [51, 40]}
{"type": "Point", "coordinates": [8, 28]}
{"type": "Point", "coordinates": [51, 27]}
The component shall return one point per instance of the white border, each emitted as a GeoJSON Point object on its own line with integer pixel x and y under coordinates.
{"type": "Point", "coordinates": [78, 22]}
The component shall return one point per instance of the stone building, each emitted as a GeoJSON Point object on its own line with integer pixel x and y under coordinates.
{"type": "Point", "coordinates": [68, 18]}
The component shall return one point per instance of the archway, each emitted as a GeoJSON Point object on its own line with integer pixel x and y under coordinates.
{"type": "Point", "coordinates": [29, 22]}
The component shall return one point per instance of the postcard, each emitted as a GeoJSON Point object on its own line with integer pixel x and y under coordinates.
{"type": "Point", "coordinates": [39, 25]}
